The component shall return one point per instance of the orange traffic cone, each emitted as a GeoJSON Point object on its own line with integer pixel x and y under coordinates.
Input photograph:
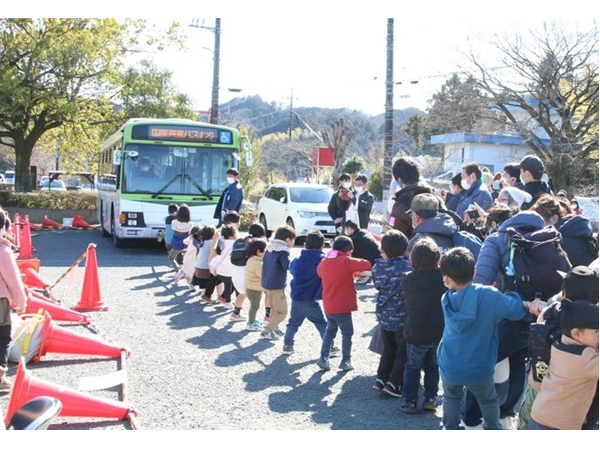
{"type": "Point", "coordinates": [90, 292]}
{"type": "Point", "coordinates": [58, 339]}
{"type": "Point", "coordinates": [50, 223]}
{"type": "Point", "coordinates": [25, 249]}
{"type": "Point", "coordinates": [32, 278]}
{"type": "Point", "coordinates": [78, 222]}
{"type": "Point", "coordinates": [36, 302]}
{"type": "Point", "coordinates": [16, 230]}
{"type": "Point", "coordinates": [75, 403]}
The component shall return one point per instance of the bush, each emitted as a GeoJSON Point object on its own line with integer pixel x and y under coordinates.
{"type": "Point", "coordinates": [81, 200]}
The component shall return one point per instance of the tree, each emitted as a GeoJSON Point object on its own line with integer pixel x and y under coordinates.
{"type": "Point", "coordinates": [337, 139]}
{"type": "Point", "coordinates": [548, 86]}
{"type": "Point", "coordinates": [354, 165]}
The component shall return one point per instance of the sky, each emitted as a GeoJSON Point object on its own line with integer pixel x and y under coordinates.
{"type": "Point", "coordinates": [326, 53]}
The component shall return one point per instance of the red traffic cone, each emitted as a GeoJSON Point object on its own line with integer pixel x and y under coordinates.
{"type": "Point", "coordinates": [59, 313]}
{"type": "Point", "coordinates": [78, 222]}
{"type": "Point", "coordinates": [32, 279]}
{"type": "Point", "coordinates": [75, 403]}
{"type": "Point", "coordinates": [90, 292]}
{"type": "Point", "coordinates": [50, 223]}
{"type": "Point", "coordinates": [58, 339]}
{"type": "Point", "coordinates": [25, 249]}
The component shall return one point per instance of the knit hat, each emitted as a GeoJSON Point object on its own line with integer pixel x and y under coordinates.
{"type": "Point", "coordinates": [424, 202]}
{"type": "Point", "coordinates": [581, 283]}
{"type": "Point", "coordinates": [533, 164]}
{"type": "Point", "coordinates": [518, 195]}
{"type": "Point", "coordinates": [578, 314]}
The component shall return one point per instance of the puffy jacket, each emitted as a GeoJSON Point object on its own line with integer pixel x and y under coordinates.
{"type": "Point", "coordinates": [389, 305]}
{"type": "Point", "coordinates": [477, 193]}
{"type": "Point", "coordinates": [440, 228]}
{"type": "Point", "coordinates": [276, 262]}
{"type": "Point", "coordinates": [306, 285]}
{"type": "Point", "coordinates": [578, 240]}
{"type": "Point", "coordinates": [365, 246]}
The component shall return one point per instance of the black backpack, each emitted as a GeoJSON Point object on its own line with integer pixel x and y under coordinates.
{"type": "Point", "coordinates": [535, 258]}
{"type": "Point", "coordinates": [541, 337]}
{"type": "Point", "coordinates": [238, 253]}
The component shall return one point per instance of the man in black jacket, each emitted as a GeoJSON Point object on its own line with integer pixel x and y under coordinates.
{"type": "Point", "coordinates": [532, 169]}
{"type": "Point", "coordinates": [363, 201]}
{"type": "Point", "coordinates": [365, 245]}
{"type": "Point", "coordinates": [340, 202]}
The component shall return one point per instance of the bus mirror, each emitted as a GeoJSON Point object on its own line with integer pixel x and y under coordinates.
{"type": "Point", "coordinates": [247, 147]}
{"type": "Point", "coordinates": [117, 157]}
{"type": "Point", "coordinates": [132, 154]}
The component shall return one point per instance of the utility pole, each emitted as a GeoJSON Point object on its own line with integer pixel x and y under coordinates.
{"type": "Point", "coordinates": [214, 110]}
{"type": "Point", "coordinates": [389, 112]}
{"type": "Point", "coordinates": [291, 113]}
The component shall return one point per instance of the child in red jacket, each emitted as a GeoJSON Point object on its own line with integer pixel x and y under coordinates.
{"type": "Point", "coordinates": [337, 271]}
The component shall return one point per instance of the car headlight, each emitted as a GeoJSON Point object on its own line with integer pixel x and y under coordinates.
{"type": "Point", "coordinates": [307, 214]}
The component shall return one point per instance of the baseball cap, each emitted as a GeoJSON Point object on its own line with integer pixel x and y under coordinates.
{"type": "Point", "coordinates": [581, 283]}
{"type": "Point", "coordinates": [578, 314]}
{"type": "Point", "coordinates": [424, 202]}
{"type": "Point", "coordinates": [533, 164]}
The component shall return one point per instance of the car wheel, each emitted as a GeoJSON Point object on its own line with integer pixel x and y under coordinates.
{"type": "Point", "coordinates": [263, 221]}
{"type": "Point", "coordinates": [299, 240]}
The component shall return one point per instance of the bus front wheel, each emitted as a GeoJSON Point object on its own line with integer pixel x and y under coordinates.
{"type": "Point", "coordinates": [119, 243]}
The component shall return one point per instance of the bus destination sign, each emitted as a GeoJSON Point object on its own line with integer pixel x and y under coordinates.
{"type": "Point", "coordinates": [183, 133]}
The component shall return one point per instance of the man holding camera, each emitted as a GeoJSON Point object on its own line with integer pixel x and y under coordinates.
{"type": "Point", "coordinates": [476, 192]}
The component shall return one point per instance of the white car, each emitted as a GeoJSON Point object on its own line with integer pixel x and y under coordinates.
{"type": "Point", "coordinates": [56, 185]}
{"type": "Point", "coordinates": [9, 175]}
{"type": "Point", "coordinates": [303, 206]}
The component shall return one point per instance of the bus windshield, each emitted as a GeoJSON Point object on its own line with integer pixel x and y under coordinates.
{"type": "Point", "coordinates": [176, 170]}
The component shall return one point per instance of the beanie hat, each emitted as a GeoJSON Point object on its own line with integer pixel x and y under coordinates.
{"type": "Point", "coordinates": [581, 283]}
{"type": "Point", "coordinates": [534, 165]}
{"type": "Point", "coordinates": [578, 314]}
{"type": "Point", "coordinates": [518, 195]}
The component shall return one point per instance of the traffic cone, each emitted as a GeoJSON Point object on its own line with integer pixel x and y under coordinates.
{"type": "Point", "coordinates": [50, 223]}
{"type": "Point", "coordinates": [57, 339]}
{"type": "Point", "coordinates": [32, 278]}
{"type": "Point", "coordinates": [75, 403]}
{"type": "Point", "coordinates": [25, 249]}
{"type": "Point", "coordinates": [59, 313]}
{"type": "Point", "coordinates": [90, 292]}
{"type": "Point", "coordinates": [78, 222]}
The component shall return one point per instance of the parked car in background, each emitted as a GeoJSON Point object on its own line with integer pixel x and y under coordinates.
{"type": "Point", "coordinates": [303, 206]}
{"type": "Point", "coordinates": [56, 185]}
{"type": "Point", "coordinates": [9, 176]}
{"type": "Point", "coordinates": [43, 179]}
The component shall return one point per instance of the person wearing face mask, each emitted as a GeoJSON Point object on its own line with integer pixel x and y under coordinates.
{"type": "Point", "coordinates": [340, 204]}
{"type": "Point", "coordinates": [232, 197]}
{"type": "Point", "coordinates": [363, 201]}
{"type": "Point", "coordinates": [475, 190]}
{"type": "Point", "coordinates": [532, 170]}
{"type": "Point", "coordinates": [453, 197]}
{"type": "Point", "coordinates": [512, 196]}
{"type": "Point", "coordinates": [511, 176]}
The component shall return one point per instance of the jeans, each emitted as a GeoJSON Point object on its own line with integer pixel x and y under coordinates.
{"type": "Point", "coordinates": [300, 311]}
{"type": "Point", "coordinates": [533, 425]}
{"type": "Point", "coordinates": [421, 357]}
{"type": "Point", "coordinates": [342, 321]}
{"type": "Point", "coordinates": [472, 412]}
{"type": "Point", "coordinates": [393, 359]}
{"type": "Point", "coordinates": [518, 381]}
{"type": "Point", "coordinates": [486, 396]}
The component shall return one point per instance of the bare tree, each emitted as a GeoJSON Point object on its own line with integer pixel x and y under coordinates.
{"type": "Point", "coordinates": [546, 82]}
{"type": "Point", "coordinates": [338, 139]}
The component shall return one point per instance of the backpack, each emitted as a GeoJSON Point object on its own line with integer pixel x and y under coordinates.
{"type": "Point", "coordinates": [238, 253]}
{"type": "Point", "coordinates": [465, 239]}
{"type": "Point", "coordinates": [582, 250]}
{"type": "Point", "coordinates": [535, 257]}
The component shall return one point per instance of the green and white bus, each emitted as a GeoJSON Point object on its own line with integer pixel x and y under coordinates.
{"type": "Point", "coordinates": [149, 163]}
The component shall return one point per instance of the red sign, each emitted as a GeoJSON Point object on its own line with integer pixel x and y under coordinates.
{"type": "Point", "coordinates": [322, 157]}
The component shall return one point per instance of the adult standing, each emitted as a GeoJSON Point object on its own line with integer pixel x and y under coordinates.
{"type": "Point", "coordinates": [363, 201]}
{"type": "Point", "coordinates": [340, 202]}
{"type": "Point", "coordinates": [232, 197]}
{"type": "Point", "coordinates": [475, 190]}
{"type": "Point", "coordinates": [427, 220]}
{"type": "Point", "coordinates": [456, 193]}
{"type": "Point", "coordinates": [532, 169]}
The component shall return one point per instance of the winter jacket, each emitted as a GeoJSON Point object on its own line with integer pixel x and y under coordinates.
{"type": "Point", "coordinates": [578, 240]}
{"type": "Point", "coordinates": [276, 262]}
{"type": "Point", "coordinates": [231, 199]}
{"type": "Point", "coordinates": [364, 205]}
{"type": "Point", "coordinates": [453, 200]}
{"type": "Point", "coordinates": [477, 193]}
{"type": "Point", "coordinates": [468, 351]}
{"type": "Point", "coordinates": [440, 228]}
{"type": "Point", "coordinates": [254, 273]}
{"type": "Point", "coordinates": [423, 290]}
{"type": "Point", "coordinates": [495, 252]}
{"type": "Point", "coordinates": [337, 207]}
{"type": "Point", "coordinates": [365, 246]}
{"type": "Point", "coordinates": [306, 285]}
{"type": "Point", "coordinates": [389, 305]}
{"type": "Point", "coordinates": [336, 271]}
{"type": "Point", "coordinates": [399, 219]}
{"type": "Point", "coordinates": [11, 284]}
{"type": "Point", "coordinates": [536, 189]}
{"type": "Point", "coordinates": [221, 264]}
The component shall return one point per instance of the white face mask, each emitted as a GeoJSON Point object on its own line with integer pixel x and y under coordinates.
{"type": "Point", "coordinates": [346, 185]}
{"type": "Point", "coordinates": [230, 180]}
{"type": "Point", "coordinates": [465, 185]}
{"type": "Point", "coordinates": [359, 189]}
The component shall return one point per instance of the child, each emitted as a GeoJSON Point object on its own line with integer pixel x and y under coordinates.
{"type": "Point", "coordinates": [182, 224]}
{"type": "Point", "coordinates": [388, 273]}
{"type": "Point", "coordinates": [424, 324]}
{"type": "Point", "coordinates": [201, 269]}
{"type": "Point", "coordinates": [189, 258]}
{"type": "Point", "coordinates": [468, 351]}
{"type": "Point", "coordinates": [306, 289]}
{"type": "Point", "coordinates": [255, 250]}
{"type": "Point", "coordinates": [274, 277]}
{"type": "Point", "coordinates": [221, 266]}
{"type": "Point", "coordinates": [337, 271]}
{"type": "Point", "coordinates": [168, 228]}
{"type": "Point", "coordinates": [567, 390]}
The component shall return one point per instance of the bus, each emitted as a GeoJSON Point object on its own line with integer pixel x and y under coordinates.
{"type": "Point", "coordinates": [149, 163]}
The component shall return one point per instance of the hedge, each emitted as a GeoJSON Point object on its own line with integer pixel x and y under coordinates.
{"type": "Point", "coordinates": [82, 200]}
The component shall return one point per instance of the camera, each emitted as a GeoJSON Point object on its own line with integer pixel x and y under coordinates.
{"type": "Point", "coordinates": [473, 214]}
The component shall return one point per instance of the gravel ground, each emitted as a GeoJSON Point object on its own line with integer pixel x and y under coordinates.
{"type": "Point", "coordinates": [192, 369]}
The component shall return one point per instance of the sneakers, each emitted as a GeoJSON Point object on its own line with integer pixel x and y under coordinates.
{"type": "Point", "coordinates": [392, 390]}
{"type": "Point", "coordinates": [323, 364]}
{"type": "Point", "coordinates": [346, 366]}
{"type": "Point", "coordinates": [228, 306]}
{"type": "Point", "coordinates": [288, 349]}
{"type": "Point", "coordinates": [269, 335]}
{"type": "Point", "coordinates": [378, 385]}
{"type": "Point", "coordinates": [206, 299]}
{"type": "Point", "coordinates": [5, 384]}
{"type": "Point", "coordinates": [409, 407]}
{"type": "Point", "coordinates": [278, 332]}
{"type": "Point", "coordinates": [334, 351]}
{"type": "Point", "coordinates": [254, 326]}
{"type": "Point", "coordinates": [430, 404]}
{"type": "Point", "coordinates": [236, 317]}
{"type": "Point", "coordinates": [508, 423]}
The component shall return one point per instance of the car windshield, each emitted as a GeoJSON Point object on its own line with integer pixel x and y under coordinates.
{"type": "Point", "coordinates": [310, 195]}
{"type": "Point", "coordinates": [56, 184]}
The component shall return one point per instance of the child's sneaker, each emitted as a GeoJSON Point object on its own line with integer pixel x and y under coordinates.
{"type": "Point", "coordinates": [288, 349]}
{"type": "Point", "coordinates": [5, 384]}
{"type": "Point", "coordinates": [392, 390]}
{"type": "Point", "coordinates": [236, 317]}
{"type": "Point", "coordinates": [346, 366]}
{"type": "Point", "coordinates": [278, 332]}
{"type": "Point", "coordinates": [430, 404]}
{"type": "Point", "coordinates": [254, 326]}
{"type": "Point", "coordinates": [228, 306]}
{"type": "Point", "coordinates": [334, 351]}
{"type": "Point", "coordinates": [323, 364]}
{"type": "Point", "coordinates": [410, 407]}
{"type": "Point", "coordinates": [206, 299]}
{"type": "Point", "coordinates": [269, 335]}
{"type": "Point", "coordinates": [266, 320]}
{"type": "Point", "coordinates": [378, 385]}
